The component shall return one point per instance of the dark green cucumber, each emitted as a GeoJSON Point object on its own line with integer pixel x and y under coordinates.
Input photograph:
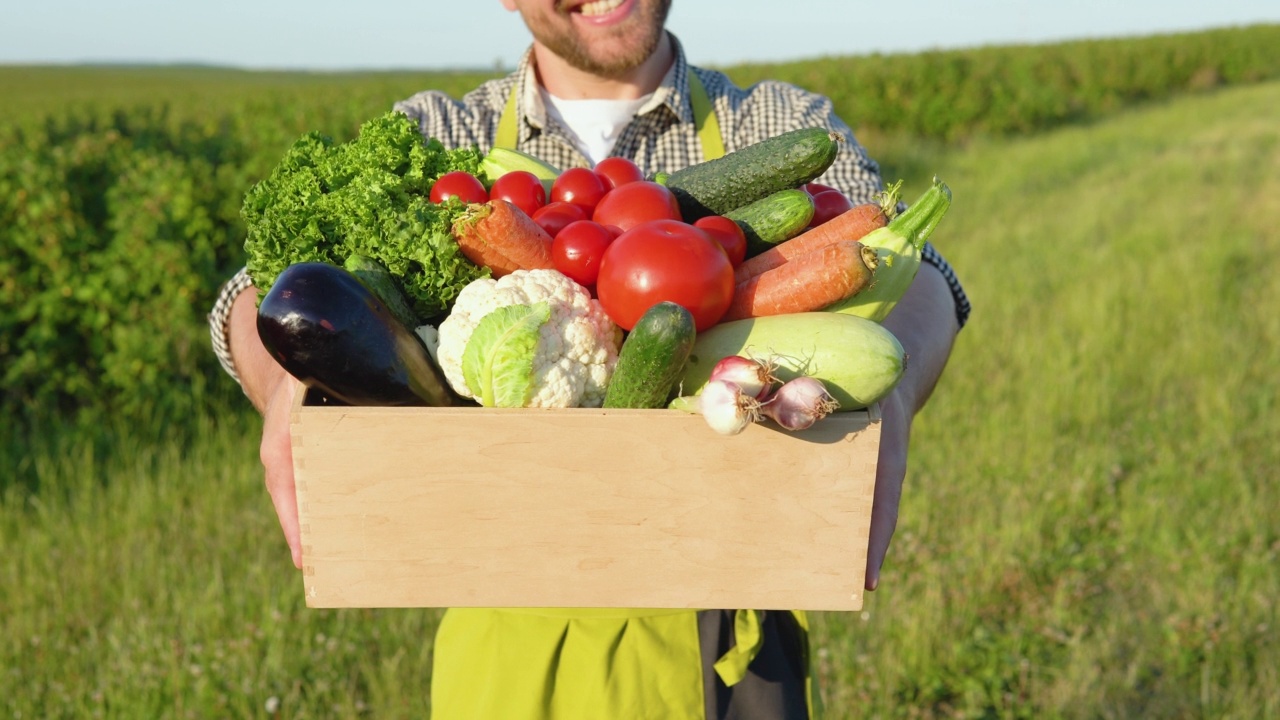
{"type": "Point", "coordinates": [773, 219]}
{"type": "Point", "coordinates": [375, 276]}
{"type": "Point", "coordinates": [743, 176]}
{"type": "Point", "coordinates": [652, 358]}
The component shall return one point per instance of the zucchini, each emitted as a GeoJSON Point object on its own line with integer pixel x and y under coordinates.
{"type": "Point", "coordinates": [773, 219]}
{"type": "Point", "coordinates": [500, 161]}
{"type": "Point", "coordinates": [857, 359]}
{"type": "Point", "coordinates": [782, 162]}
{"type": "Point", "coordinates": [652, 358]}
{"type": "Point", "coordinates": [898, 247]}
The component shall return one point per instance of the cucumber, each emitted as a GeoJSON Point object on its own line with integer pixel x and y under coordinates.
{"type": "Point", "coordinates": [773, 219]}
{"type": "Point", "coordinates": [652, 358]}
{"type": "Point", "coordinates": [857, 359]}
{"type": "Point", "coordinates": [375, 276]}
{"type": "Point", "coordinates": [743, 176]}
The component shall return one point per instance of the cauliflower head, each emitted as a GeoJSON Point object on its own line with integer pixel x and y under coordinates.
{"type": "Point", "coordinates": [552, 346]}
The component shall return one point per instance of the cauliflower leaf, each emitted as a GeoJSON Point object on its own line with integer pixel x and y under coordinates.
{"type": "Point", "coordinates": [498, 361]}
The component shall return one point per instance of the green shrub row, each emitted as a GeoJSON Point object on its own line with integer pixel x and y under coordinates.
{"type": "Point", "coordinates": [114, 230]}
{"type": "Point", "coordinates": [120, 219]}
{"type": "Point", "coordinates": [949, 95]}
{"type": "Point", "coordinates": [120, 189]}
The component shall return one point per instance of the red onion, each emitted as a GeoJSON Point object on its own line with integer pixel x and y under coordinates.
{"type": "Point", "coordinates": [799, 403]}
{"type": "Point", "coordinates": [754, 377]}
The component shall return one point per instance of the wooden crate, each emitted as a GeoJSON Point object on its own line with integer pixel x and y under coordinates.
{"type": "Point", "coordinates": [473, 507]}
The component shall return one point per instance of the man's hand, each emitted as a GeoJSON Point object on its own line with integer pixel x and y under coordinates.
{"type": "Point", "coordinates": [924, 321]}
{"type": "Point", "coordinates": [891, 470]}
{"type": "Point", "coordinates": [272, 391]}
{"type": "Point", "coordinates": [277, 461]}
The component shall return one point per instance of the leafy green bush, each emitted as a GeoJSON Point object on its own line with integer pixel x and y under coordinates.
{"type": "Point", "coordinates": [120, 202]}
{"type": "Point", "coordinates": [1016, 89]}
{"type": "Point", "coordinates": [115, 235]}
{"type": "Point", "coordinates": [121, 188]}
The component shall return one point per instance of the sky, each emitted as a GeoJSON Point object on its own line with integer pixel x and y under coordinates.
{"type": "Point", "coordinates": [399, 34]}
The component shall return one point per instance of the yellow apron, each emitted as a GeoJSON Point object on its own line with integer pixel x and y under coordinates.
{"type": "Point", "coordinates": [547, 663]}
{"type": "Point", "coordinates": [539, 664]}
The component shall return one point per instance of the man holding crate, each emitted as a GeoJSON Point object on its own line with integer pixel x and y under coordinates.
{"type": "Point", "coordinates": [605, 78]}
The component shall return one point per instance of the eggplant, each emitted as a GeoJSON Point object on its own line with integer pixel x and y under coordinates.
{"type": "Point", "coordinates": [332, 333]}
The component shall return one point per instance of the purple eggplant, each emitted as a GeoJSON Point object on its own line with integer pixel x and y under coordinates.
{"type": "Point", "coordinates": [328, 330]}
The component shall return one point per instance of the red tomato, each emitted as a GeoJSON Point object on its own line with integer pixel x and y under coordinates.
{"type": "Point", "coordinates": [814, 188]}
{"type": "Point", "coordinates": [579, 186]}
{"type": "Point", "coordinates": [617, 171]}
{"type": "Point", "coordinates": [629, 205]}
{"type": "Point", "coordinates": [554, 216]}
{"type": "Point", "coordinates": [828, 204]}
{"type": "Point", "coordinates": [728, 233]}
{"type": "Point", "coordinates": [665, 260]}
{"type": "Point", "coordinates": [522, 189]}
{"type": "Point", "coordinates": [460, 184]}
{"type": "Point", "coordinates": [578, 248]}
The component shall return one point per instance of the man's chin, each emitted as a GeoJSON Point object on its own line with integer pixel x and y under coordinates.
{"type": "Point", "coordinates": [615, 62]}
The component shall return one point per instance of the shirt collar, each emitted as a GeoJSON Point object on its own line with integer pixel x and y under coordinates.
{"type": "Point", "coordinates": [529, 105]}
{"type": "Point", "coordinates": [672, 92]}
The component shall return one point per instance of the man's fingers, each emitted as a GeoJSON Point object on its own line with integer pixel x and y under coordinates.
{"type": "Point", "coordinates": [280, 486]}
{"type": "Point", "coordinates": [891, 470]}
{"type": "Point", "coordinates": [884, 520]}
{"type": "Point", "coordinates": [277, 461]}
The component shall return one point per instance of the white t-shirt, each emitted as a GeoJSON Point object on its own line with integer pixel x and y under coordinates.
{"type": "Point", "coordinates": [593, 125]}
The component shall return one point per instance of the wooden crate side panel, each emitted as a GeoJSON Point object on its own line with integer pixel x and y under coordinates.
{"type": "Point", "coordinates": [580, 508]}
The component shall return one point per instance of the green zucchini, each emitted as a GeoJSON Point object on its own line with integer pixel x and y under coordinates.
{"type": "Point", "coordinates": [782, 162]}
{"type": "Point", "coordinates": [773, 219]}
{"type": "Point", "coordinates": [857, 359]}
{"type": "Point", "coordinates": [500, 161]}
{"type": "Point", "coordinates": [898, 246]}
{"type": "Point", "coordinates": [652, 358]}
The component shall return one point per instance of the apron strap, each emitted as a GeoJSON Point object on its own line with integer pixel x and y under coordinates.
{"type": "Point", "coordinates": [508, 131]}
{"type": "Point", "coordinates": [732, 666]}
{"type": "Point", "coordinates": [704, 121]}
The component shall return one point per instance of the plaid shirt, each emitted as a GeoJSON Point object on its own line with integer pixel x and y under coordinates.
{"type": "Point", "coordinates": [662, 136]}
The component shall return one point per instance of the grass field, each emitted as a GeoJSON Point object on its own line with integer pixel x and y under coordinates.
{"type": "Point", "coordinates": [1091, 527]}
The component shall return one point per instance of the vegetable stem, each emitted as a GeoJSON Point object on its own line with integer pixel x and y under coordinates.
{"type": "Point", "coordinates": [920, 219]}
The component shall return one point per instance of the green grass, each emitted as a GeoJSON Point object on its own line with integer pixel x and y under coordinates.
{"type": "Point", "coordinates": [210, 91]}
{"type": "Point", "coordinates": [152, 582]}
{"type": "Point", "coordinates": [1090, 527]}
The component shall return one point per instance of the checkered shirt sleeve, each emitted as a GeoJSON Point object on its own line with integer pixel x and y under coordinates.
{"type": "Point", "coordinates": [220, 315]}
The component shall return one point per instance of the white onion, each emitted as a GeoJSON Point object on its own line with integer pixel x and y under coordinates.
{"type": "Point", "coordinates": [726, 408]}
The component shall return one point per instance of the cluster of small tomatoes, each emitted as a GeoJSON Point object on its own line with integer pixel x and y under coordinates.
{"type": "Point", "coordinates": [623, 237]}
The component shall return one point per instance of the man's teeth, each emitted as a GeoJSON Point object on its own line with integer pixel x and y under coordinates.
{"type": "Point", "coordinates": [600, 7]}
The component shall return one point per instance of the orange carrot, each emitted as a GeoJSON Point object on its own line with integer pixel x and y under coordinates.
{"type": "Point", "coordinates": [850, 225]}
{"type": "Point", "coordinates": [503, 238]}
{"type": "Point", "coordinates": [809, 282]}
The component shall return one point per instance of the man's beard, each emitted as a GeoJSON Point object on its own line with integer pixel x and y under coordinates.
{"type": "Point", "coordinates": [568, 47]}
